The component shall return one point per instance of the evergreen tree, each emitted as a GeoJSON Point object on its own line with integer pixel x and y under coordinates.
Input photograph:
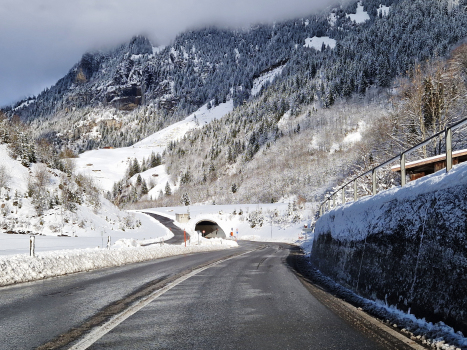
{"type": "Point", "coordinates": [136, 168]}
{"type": "Point", "coordinates": [144, 188]}
{"type": "Point", "coordinates": [185, 200]}
{"type": "Point", "coordinates": [168, 190]}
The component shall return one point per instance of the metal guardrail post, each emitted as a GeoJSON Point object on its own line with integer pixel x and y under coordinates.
{"type": "Point", "coordinates": [32, 246]}
{"type": "Point", "coordinates": [355, 196]}
{"type": "Point", "coordinates": [334, 200]}
{"type": "Point", "coordinates": [448, 149]}
{"type": "Point", "coordinates": [403, 175]}
{"type": "Point", "coordinates": [373, 180]}
{"type": "Point", "coordinates": [343, 195]}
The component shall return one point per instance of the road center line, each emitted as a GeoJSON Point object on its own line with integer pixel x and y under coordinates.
{"type": "Point", "coordinates": [102, 330]}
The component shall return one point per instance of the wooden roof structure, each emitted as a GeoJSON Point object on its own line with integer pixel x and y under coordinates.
{"type": "Point", "coordinates": [422, 167]}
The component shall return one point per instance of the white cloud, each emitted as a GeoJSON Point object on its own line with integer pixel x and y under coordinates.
{"type": "Point", "coordinates": [40, 40]}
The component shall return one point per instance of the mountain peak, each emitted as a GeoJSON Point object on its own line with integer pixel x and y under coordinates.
{"type": "Point", "coordinates": [140, 45]}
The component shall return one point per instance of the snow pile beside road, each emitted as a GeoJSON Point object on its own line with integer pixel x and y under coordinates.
{"type": "Point", "coordinates": [355, 220]}
{"type": "Point", "coordinates": [22, 268]}
{"type": "Point", "coordinates": [197, 238]}
{"type": "Point", "coordinates": [127, 243]}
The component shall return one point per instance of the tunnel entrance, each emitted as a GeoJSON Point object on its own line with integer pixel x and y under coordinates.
{"type": "Point", "coordinates": [210, 228]}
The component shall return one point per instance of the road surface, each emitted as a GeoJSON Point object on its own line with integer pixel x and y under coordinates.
{"type": "Point", "coordinates": [243, 298]}
{"type": "Point", "coordinates": [250, 301]}
{"type": "Point", "coordinates": [178, 237]}
{"type": "Point", "coordinates": [32, 314]}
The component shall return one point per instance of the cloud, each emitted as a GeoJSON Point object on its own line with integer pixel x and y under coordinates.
{"type": "Point", "coordinates": [40, 40]}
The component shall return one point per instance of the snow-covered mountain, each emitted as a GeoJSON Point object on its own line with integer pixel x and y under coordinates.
{"type": "Point", "coordinates": [366, 44]}
{"type": "Point", "coordinates": [291, 80]}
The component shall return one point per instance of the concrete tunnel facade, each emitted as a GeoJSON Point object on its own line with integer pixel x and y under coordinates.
{"type": "Point", "coordinates": [211, 229]}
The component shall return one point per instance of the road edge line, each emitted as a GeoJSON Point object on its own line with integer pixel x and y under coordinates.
{"type": "Point", "coordinates": [97, 333]}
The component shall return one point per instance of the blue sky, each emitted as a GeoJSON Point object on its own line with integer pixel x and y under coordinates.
{"type": "Point", "coordinates": [40, 40]}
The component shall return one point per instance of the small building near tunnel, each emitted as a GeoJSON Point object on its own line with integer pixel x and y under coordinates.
{"type": "Point", "coordinates": [182, 218]}
{"type": "Point", "coordinates": [210, 229]}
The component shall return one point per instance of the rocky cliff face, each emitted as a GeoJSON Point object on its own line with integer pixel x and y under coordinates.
{"type": "Point", "coordinates": [407, 248]}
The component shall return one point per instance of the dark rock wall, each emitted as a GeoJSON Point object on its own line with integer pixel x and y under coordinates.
{"type": "Point", "coordinates": [416, 259]}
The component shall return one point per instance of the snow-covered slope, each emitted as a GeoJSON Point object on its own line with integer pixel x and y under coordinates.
{"type": "Point", "coordinates": [265, 78]}
{"type": "Point", "coordinates": [57, 228]}
{"type": "Point", "coordinates": [361, 16]}
{"type": "Point", "coordinates": [108, 166]}
{"type": "Point", "coordinates": [317, 42]}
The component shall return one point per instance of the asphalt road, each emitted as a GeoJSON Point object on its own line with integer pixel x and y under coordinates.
{"type": "Point", "coordinates": [32, 314]}
{"type": "Point", "coordinates": [178, 237]}
{"type": "Point", "coordinates": [251, 301]}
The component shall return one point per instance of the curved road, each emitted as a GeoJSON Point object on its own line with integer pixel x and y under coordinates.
{"type": "Point", "coordinates": [178, 237]}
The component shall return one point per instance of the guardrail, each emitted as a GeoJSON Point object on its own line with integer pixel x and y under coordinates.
{"type": "Point", "coordinates": [326, 204]}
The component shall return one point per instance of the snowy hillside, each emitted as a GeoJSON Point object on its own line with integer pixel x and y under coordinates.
{"type": "Point", "coordinates": [317, 43]}
{"type": "Point", "coordinates": [264, 79]}
{"type": "Point", "coordinates": [108, 166]}
{"type": "Point", "coordinates": [361, 16]}
{"type": "Point", "coordinates": [58, 224]}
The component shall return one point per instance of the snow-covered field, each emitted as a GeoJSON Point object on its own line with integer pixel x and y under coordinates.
{"type": "Point", "coordinates": [317, 42]}
{"type": "Point", "coordinates": [94, 237]}
{"type": "Point", "coordinates": [268, 77]}
{"type": "Point", "coordinates": [57, 256]}
{"type": "Point", "coordinates": [361, 15]}
{"type": "Point", "coordinates": [108, 166]}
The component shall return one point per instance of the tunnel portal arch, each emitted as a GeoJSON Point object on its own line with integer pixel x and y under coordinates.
{"type": "Point", "coordinates": [211, 229]}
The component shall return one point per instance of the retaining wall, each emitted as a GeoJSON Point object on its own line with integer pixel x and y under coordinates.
{"type": "Point", "coordinates": [406, 246]}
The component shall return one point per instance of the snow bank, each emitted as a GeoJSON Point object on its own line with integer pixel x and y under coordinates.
{"type": "Point", "coordinates": [22, 268]}
{"type": "Point", "coordinates": [352, 221]}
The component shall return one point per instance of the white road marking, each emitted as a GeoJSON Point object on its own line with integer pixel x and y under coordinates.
{"type": "Point", "coordinates": [102, 330]}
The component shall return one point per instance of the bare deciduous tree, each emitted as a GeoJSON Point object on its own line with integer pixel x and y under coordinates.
{"type": "Point", "coordinates": [42, 176]}
{"type": "Point", "coordinates": [5, 178]}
